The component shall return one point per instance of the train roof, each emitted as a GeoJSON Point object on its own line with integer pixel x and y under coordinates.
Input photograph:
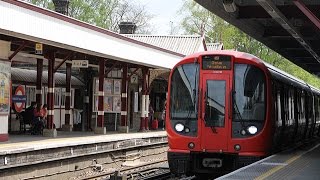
{"type": "Point", "coordinates": [236, 54]}
{"type": "Point", "coordinates": [315, 90]}
{"type": "Point", "coordinates": [275, 72]}
{"type": "Point", "coordinates": [283, 76]}
{"type": "Point", "coordinates": [288, 78]}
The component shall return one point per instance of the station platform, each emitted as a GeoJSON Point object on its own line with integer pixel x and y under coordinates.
{"type": "Point", "coordinates": [23, 150]}
{"type": "Point", "coordinates": [296, 164]}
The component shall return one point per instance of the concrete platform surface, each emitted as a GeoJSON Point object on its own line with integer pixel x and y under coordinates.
{"type": "Point", "coordinates": [25, 143]}
{"type": "Point", "coordinates": [301, 163]}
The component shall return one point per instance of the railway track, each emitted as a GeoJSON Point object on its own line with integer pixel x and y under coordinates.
{"type": "Point", "coordinates": [145, 174]}
{"type": "Point", "coordinates": [152, 170]}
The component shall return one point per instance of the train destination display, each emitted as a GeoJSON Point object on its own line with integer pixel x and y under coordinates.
{"type": "Point", "coordinates": [213, 62]}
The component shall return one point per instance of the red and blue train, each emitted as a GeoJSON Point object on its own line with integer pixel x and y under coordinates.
{"type": "Point", "coordinates": [226, 109]}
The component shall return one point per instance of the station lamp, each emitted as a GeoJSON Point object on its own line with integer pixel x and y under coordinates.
{"type": "Point", "coordinates": [229, 6]}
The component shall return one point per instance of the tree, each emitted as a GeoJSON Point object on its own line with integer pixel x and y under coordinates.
{"type": "Point", "coordinates": [198, 20]}
{"type": "Point", "coordinates": [105, 13]}
{"type": "Point", "coordinates": [42, 3]}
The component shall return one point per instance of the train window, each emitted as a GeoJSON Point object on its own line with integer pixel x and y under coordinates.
{"type": "Point", "coordinates": [302, 105]}
{"type": "Point", "coordinates": [284, 100]}
{"type": "Point", "coordinates": [284, 104]}
{"type": "Point", "coordinates": [279, 120]}
{"type": "Point", "coordinates": [249, 93]}
{"type": "Point", "coordinates": [318, 109]}
{"type": "Point", "coordinates": [292, 105]}
{"type": "Point", "coordinates": [275, 101]}
{"type": "Point", "coordinates": [310, 105]}
{"type": "Point", "coordinates": [184, 92]}
{"type": "Point", "coordinates": [303, 108]}
{"type": "Point", "coordinates": [299, 106]}
{"type": "Point", "coordinates": [215, 103]}
{"type": "Point", "coordinates": [289, 106]}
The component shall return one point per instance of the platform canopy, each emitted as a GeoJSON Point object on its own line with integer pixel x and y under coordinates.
{"type": "Point", "coordinates": [23, 21]}
{"type": "Point", "coordinates": [289, 27]}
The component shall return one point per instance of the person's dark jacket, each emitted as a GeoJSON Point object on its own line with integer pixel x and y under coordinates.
{"type": "Point", "coordinates": [28, 115]}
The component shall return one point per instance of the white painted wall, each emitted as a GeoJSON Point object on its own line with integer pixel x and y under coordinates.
{"type": "Point", "coordinates": [4, 124]}
{"type": "Point", "coordinates": [59, 118]}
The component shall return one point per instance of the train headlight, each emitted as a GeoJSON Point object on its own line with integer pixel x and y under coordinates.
{"type": "Point", "coordinates": [252, 130]}
{"type": "Point", "coordinates": [179, 127]}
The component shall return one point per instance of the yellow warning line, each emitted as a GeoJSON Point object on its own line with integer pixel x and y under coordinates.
{"type": "Point", "coordinates": [277, 168]}
{"type": "Point", "coordinates": [289, 161]}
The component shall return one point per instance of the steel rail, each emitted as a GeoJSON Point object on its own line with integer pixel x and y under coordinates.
{"type": "Point", "coordinates": [124, 170]}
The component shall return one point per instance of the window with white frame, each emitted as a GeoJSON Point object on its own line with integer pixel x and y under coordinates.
{"type": "Point", "coordinates": [45, 95]}
{"type": "Point", "coordinates": [31, 95]}
{"type": "Point", "coordinates": [57, 97]}
{"type": "Point", "coordinates": [72, 98]}
{"type": "Point", "coordinates": [63, 97]}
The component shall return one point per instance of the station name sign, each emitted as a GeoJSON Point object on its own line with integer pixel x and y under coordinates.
{"type": "Point", "coordinates": [80, 63]}
{"type": "Point", "coordinates": [19, 98]}
{"type": "Point", "coordinates": [216, 62]}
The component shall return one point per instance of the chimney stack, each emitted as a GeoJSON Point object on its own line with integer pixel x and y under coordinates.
{"type": "Point", "coordinates": [127, 27]}
{"type": "Point", "coordinates": [61, 6]}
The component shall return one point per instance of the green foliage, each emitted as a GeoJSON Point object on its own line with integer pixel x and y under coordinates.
{"type": "Point", "coordinates": [105, 13]}
{"type": "Point", "coordinates": [42, 3]}
{"type": "Point", "coordinates": [198, 20]}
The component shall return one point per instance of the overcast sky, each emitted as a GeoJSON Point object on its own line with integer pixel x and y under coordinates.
{"type": "Point", "coordinates": [164, 11]}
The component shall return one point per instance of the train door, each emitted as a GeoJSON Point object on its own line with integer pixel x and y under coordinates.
{"type": "Point", "coordinates": [215, 119]}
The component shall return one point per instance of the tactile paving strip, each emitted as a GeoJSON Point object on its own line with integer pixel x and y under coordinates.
{"type": "Point", "coordinates": [285, 165]}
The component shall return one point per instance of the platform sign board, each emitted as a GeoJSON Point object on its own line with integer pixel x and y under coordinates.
{"type": "Point", "coordinates": [39, 48]}
{"type": "Point", "coordinates": [80, 63]}
{"type": "Point", "coordinates": [19, 98]}
{"type": "Point", "coordinates": [5, 77]}
{"type": "Point", "coordinates": [134, 79]}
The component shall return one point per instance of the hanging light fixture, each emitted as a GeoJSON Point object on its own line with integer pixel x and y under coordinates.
{"type": "Point", "coordinates": [229, 6]}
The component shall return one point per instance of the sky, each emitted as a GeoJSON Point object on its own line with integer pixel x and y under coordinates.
{"type": "Point", "coordinates": [164, 11]}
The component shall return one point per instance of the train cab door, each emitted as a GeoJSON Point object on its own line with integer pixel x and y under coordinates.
{"type": "Point", "coordinates": [215, 118]}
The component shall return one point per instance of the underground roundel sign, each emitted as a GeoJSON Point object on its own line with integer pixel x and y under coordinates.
{"type": "Point", "coordinates": [19, 98]}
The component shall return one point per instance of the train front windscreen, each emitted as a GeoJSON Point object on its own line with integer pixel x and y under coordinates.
{"type": "Point", "coordinates": [184, 98]}
{"type": "Point", "coordinates": [249, 102]}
